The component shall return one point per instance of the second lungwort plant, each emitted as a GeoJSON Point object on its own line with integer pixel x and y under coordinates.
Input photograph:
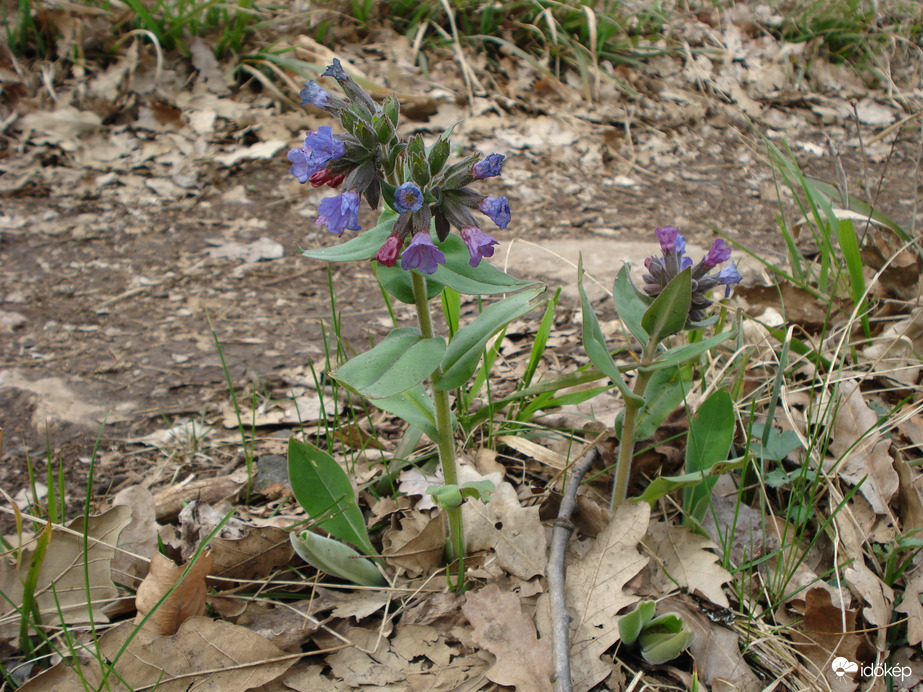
{"type": "Point", "coordinates": [416, 257]}
{"type": "Point", "coordinates": [674, 298]}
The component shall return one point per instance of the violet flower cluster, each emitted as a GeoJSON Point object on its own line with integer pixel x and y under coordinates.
{"type": "Point", "coordinates": [661, 270]}
{"type": "Point", "coordinates": [370, 160]}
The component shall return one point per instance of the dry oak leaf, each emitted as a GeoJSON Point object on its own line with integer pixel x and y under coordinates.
{"type": "Point", "coordinates": [205, 655]}
{"type": "Point", "coordinates": [61, 592]}
{"type": "Point", "coordinates": [825, 633]}
{"type": "Point", "coordinates": [187, 599]}
{"type": "Point", "coordinates": [688, 560]}
{"type": "Point", "coordinates": [419, 545]}
{"type": "Point", "coordinates": [514, 532]}
{"type": "Point", "coordinates": [912, 607]}
{"type": "Point", "coordinates": [523, 660]}
{"type": "Point", "coordinates": [858, 443]}
{"type": "Point", "coordinates": [595, 595]}
{"type": "Point", "coordinates": [716, 651]}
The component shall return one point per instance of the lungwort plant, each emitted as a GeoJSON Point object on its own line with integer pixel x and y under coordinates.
{"type": "Point", "coordinates": [416, 256]}
{"type": "Point", "coordinates": [674, 298]}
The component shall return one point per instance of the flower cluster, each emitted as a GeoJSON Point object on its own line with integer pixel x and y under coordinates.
{"type": "Point", "coordinates": [661, 270]}
{"type": "Point", "coordinates": [370, 160]}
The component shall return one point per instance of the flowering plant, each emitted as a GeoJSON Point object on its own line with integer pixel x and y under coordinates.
{"type": "Point", "coordinates": [426, 197]}
{"type": "Point", "coordinates": [674, 297]}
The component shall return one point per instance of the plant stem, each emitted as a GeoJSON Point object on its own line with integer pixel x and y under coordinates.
{"type": "Point", "coordinates": [446, 441]}
{"type": "Point", "coordinates": [627, 438]}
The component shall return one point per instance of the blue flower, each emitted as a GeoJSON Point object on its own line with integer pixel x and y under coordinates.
{"type": "Point", "coordinates": [318, 150]}
{"type": "Point", "coordinates": [727, 276]}
{"type": "Point", "coordinates": [314, 94]}
{"type": "Point", "coordinates": [336, 71]}
{"type": "Point", "coordinates": [408, 198]}
{"type": "Point", "coordinates": [421, 254]}
{"type": "Point", "coordinates": [498, 209]}
{"type": "Point", "coordinates": [340, 212]}
{"type": "Point", "coordinates": [479, 244]}
{"type": "Point", "coordinates": [488, 167]}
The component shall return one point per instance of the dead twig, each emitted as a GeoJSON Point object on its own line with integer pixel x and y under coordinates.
{"type": "Point", "coordinates": [555, 572]}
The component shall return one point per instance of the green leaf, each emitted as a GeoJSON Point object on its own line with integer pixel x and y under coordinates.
{"type": "Point", "coordinates": [668, 313]}
{"type": "Point", "coordinates": [711, 432]}
{"type": "Point", "coordinates": [681, 354]}
{"type": "Point", "coordinates": [666, 390]}
{"type": "Point", "coordinates": [779, 444]}
{"type": "Point", "coordinates": [595, 345]}
{"type": "Point", "coordinates": [336, 559]}
{"type": "Point", "coordinates": [414, 406]}
{"type": "Point", "coordinates": [479, 490]}
{"type": "Point", "coordinates": [446, 496]}
{"type": "Point", "coordinates": [322, 488]}
{"type": "Point", "coordinates": [466, 347]}
{"type": "Point", "coordinates": [631, 624]}
{"type": "Point", "coordinates": [484, 279]}
{"type": "Point", "coordinates": [629, 306]}
{"type": "Point", "coordinates": [664, 485]}
{"type": "Point", "coordinates": [664, 638]}
{"type": "Point", "coordinates": [362, 247]}
{"type": "Point", "coordinates": [403, 359]}
{"type": "Point", "coordinates": [399, 284]}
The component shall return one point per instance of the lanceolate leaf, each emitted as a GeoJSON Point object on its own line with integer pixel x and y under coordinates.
{"type": "Point", "coordinates": [403, 359]}
{"type": "Point", "coordinates": [629, 306]}
{"type": "Point", "coordinates": [685, 353]}
{"type": "Point", "coordinates": [711, 432]}
{"type": "Point", "coordinates": [322, 488]}
{"type": "Point", "coordinates": [668, 313]}
{"type": "Point", "coordinates": [484, 279]}
{"type": "Point", "coordinates": [466, 347]}
{"type": "Point", "coordinates": [361, 247]}
{"type": "Point", "coordinates": [336, 559]}
{"type": "Point", "coordinates": [594, 343]}
{"type": "Point", "coordinates": [414, 406]}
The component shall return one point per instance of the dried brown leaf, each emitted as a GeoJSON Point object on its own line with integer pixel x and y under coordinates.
{"type": "Point", "coordinates": [204, 655]}
{"type": "Point", "coordinates": [523, 660]}
{"type": "Point", "coordinates": [688, 560]}
{"type": "Point", "coordinates": [61, 591]}
{"type": "Point", "coordinates": [595, 591]}
{"type": "Point", "coordinates": [187, 599]}
{"type": "Point", "coordinates": [861, 449]}
{"type": "Point", "coordinates": [419, 545]}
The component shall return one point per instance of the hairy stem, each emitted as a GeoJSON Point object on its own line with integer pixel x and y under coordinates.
{"type": "Point", "coordinates": [627, 438]}
{"type": "Point", "coordinates": [446, 441]}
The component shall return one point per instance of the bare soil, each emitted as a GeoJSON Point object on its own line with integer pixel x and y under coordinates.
{"type": "Point", "coordinates": [117, 284]}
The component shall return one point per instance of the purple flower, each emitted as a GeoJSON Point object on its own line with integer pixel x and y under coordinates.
{"type": "Point", "coordinates": [421, 254]}
{"type": "Point", "coordinates": [319, 148]}
{"type": "Point", "coordinates": [389, 252]}
{"type": "Point", "coordinates": [408, 198]}
{"type": "Point", "coordinates": [662, 270]}
{"type": "Point", "coordinates": [719, 253]}
{"type": "Point", "coordinates": [314, 94]}
{"type": "Point", "coordinates": [488, 167]}
{"type": "Point", "coordinates": [498, 209]}
{"type": "Point", "coordinates": [339, 213]}
{"type": "Point", "coordinates": [479, 244]}
{"type": "Point", "coordinates": [670, 240]}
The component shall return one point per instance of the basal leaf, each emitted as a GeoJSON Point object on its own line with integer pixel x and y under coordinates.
{"type": "Point", "coordinates": [322, 488]}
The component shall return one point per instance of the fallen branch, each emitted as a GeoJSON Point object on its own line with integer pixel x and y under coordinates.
{"type": "Point", "coordinates": [555, 572]}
